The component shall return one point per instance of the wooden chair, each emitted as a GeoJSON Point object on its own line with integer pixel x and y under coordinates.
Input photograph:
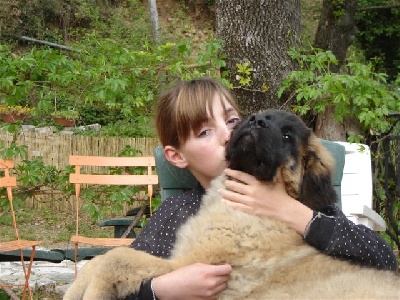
{"type": "Point", "coordinates": [79, 178]}
{"type": "Point", "coordinates": [9, 182]}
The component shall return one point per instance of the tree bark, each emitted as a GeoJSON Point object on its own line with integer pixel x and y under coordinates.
{"type": "Point", "coordinates": [154, 20]}
{"type": "Point", "coordinates": [336, 31]}
{"type": "Point", "coordinates": [336, 28]}
{"type": "Point", "coordinates": [258, 32]}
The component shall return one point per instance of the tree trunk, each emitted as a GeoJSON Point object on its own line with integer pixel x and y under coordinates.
{"type": "Point", "coordinates": [258, 32]}
{"type": "Point", "coordinates": [336, 28]}
{"type": "Point", "coordinates": [154, 20]}
{"type": "Point", "coordinates": [336, 31]}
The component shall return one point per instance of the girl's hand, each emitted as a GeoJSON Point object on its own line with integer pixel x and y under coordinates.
{"type": "Point", "coordinates": [270, 200]}
{"type": "Point", "coordinates": [197, 281]}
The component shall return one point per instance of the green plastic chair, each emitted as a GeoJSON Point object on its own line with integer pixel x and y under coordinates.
{"type": "Point", "coordinates": [174, 181]}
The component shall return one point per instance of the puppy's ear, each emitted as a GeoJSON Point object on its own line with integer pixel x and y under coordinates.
{"type": "Point", "coordinates": [316, 189]}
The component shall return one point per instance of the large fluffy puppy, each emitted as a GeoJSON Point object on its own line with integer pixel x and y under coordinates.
{"type": "Point", "coordinates": [269, 260]}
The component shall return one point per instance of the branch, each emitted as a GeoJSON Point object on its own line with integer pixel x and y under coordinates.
{"type": "Point", "coordinates": [378, 7]}
{"type": "Point", "coordinates": [135, 220]}
{"type": "Point", "coordinates": [167, 68]}
{"type": "Point", "coordinates": [53, 45]}
{"type": "Point", "coordinates": [247, 89]}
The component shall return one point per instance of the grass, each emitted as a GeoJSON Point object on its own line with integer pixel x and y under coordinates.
{"type": "Point", "coordinates": [37, 295]}
{"type": "Point", "coordinates": [53, 227]}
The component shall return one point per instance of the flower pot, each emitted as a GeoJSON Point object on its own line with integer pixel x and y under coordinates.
{"type": "Point", "coordinates": [12, 117]}
{"type": "Point", "coordinates": [64, 121]}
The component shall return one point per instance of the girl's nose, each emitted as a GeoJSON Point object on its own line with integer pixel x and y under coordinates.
{"type": "Point", "coordinates": [226, 134]}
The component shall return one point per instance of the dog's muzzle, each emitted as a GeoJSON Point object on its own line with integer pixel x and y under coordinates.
{"type": "Point", "coordinates": [255, 148]}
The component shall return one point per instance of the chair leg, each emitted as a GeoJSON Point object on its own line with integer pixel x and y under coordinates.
{"type": "Point", "coordinates": [24, 269]}
{"type": "Point", "coordinates": [29, 270]}
{"type": "Point", "coordinates": [27, 274]}
{"type": "Point", "coordinates": [76, 259]}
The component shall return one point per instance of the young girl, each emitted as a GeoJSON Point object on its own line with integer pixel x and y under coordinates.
{"type": "Point", "coordinates": [194, 120]}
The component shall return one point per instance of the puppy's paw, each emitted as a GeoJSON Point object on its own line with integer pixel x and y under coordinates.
{"type": "Point", "coordinates": [82, 281]}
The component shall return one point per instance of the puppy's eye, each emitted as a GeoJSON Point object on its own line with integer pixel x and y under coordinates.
{"type": "Point", "coordinates": [287, 137]}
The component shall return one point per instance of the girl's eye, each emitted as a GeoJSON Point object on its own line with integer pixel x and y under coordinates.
{"type": "Point", "coordinates": [204, 133]}
{"type": "Point", "coordinates": [233, 122]}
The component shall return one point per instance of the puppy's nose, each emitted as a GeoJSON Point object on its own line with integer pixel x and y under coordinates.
{"type": "Point", "coordinates": [258, 121]}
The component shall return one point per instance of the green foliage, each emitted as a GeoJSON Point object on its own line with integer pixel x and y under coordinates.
{"type": "Point", "coordinates": [13, 150]}
{"type": "Point", "coordinates": [37, 79]}
{"type": "Point", "coordinates": [48, 20]}
{"type": "Point", "coordinates": [120, 83]}
{"type": "Point", "coordinates": [378, 34]}
{"type": "Point", "coordinates": [114, 73]}
{"type": "Point", "coordinates": [33, 175]}
{"type": "Point", "coordinates": [355, 91]}
{"type": "Point", "coordinates": [68, 114]}
{"type": "Point", "coordinates": [244, 73]}
{"type": "Point", "coordinates": [3, 295]}
{"type": "Point", "coordinates": [338, 9]}
{"type": "Point", "coordinates": [386, 175]}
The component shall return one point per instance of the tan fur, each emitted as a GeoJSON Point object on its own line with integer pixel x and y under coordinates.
{"type": "Point", "coordinates": [269, 261]}
{"type": "Point", "coordinates": [322, 165]}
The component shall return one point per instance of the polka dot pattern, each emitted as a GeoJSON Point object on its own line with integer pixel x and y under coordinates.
{"type": "Point", "coordinates": [159, 235]}
{"type": "Point", "coordinates": [332, 233]}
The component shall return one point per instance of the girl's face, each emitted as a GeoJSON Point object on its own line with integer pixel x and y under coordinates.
{"type": "Point", "coordinates": [204, 150]}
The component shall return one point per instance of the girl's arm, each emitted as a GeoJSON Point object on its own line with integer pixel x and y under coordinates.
{"type": "Point", "coordinates": [328, 231]}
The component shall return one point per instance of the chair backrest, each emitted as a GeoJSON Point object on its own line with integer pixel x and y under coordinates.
{"type": "Point", "coordinates": [357, 187]}
{"type": "Point", "coordinates": [91, 177]}
{"type": "Point", "coordinates": [339, 153]}
{"type": "Point", "coordinates": [9, 182]}
{"type": "Point", "coordinates": [175, 180]}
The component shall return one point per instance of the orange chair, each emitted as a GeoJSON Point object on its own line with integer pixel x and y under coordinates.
{"type": "Point", "coordinates": [89, 177]}
{"type": "Point", "coordinates": [8, 182]}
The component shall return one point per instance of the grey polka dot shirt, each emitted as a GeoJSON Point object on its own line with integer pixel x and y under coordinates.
{"type": "Point", "coordinates": [332, 233]}
{"type": "Point", "coordinates": [159, 235]}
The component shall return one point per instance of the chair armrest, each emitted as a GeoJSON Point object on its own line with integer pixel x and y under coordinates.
{"type": "Point", "coordinates": [370, 218]}
{"type": "Point", "coordinates": [120, 225]}
{"type": "Point", "coordinates": [357, 187]}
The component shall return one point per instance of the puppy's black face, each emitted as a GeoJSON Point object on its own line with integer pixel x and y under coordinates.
{"type": "Point", "coordinates": [276, 139]}
{"type": "Point", "coordinates": [264, 141]}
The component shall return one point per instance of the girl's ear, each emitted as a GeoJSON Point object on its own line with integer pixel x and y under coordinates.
{"type": "Point", "coordinates": [175, 157]}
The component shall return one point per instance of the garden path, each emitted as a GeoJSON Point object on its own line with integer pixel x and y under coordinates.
{"type": "Point", "coordinates": [45, 276]}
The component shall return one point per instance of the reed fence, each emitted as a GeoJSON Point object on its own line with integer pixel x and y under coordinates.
{"type": "Point", "coordinates": [55, 148]}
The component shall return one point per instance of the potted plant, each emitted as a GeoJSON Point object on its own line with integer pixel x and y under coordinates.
{"type": "Point", "coordinates": [65, 118]}
{"type": "Point", "coordinates": [14, 113]}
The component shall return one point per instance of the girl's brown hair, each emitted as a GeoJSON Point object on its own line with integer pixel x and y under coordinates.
{"type": "Point", "coordinates": [184, 108]}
